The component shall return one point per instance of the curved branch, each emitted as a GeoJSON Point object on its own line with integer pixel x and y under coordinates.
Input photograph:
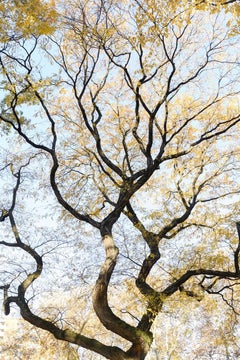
{"type": "Point", "coordinates": [237, 251]}
{"type": "Point", "coordinates": [154, 298]}
{"type": "Point", "coordinates": [213, 134]}
{"type": "Point", "coordinates": [101, 306]}
{"type": "Point", "coordinates": [113, 353]}
{"type": "Point", "coordinates": [62, 201]}
{"type": "Point", "coordinates": [171, 289]}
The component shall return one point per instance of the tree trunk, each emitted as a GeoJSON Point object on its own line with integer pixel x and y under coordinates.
{"type": "Point", "coordinates": [141, 340]}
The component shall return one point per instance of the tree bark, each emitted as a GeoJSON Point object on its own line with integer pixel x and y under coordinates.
{"type": "Point", "coordinates": [141, 340]}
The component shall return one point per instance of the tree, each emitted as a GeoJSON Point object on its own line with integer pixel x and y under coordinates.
{"type": "Point", "coordinates": [129, 116]}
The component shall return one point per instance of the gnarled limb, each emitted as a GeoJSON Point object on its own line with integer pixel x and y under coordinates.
{"type": "Point", "coordinates": [112, 353]}
{"type": "Point", "coordinates": [140, 339]}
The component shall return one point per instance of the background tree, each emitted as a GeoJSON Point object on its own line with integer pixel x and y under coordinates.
{"type": "Point", "coordinates": [125, 121]}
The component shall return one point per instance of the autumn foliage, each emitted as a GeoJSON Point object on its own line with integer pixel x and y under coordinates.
{"type": "Point", "coordinates": [120, 128]}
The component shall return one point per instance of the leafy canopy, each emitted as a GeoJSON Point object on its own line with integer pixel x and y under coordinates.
{"type": "Point", "coordinates": [21, 19]}
{"type": "Point", "coordinates": [125, 119]}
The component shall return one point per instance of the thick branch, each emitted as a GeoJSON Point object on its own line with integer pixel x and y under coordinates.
{"type": "Point", "coordinates": [100, 299]}
{"type": "Point", "coordinates": [109, 352]}
{"type": "Point", "coordinates": [171, 289]}
{"type": "Point", "coordinates": [237, 251]}
{"type": "Point", "coordinates": [154, 299]}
